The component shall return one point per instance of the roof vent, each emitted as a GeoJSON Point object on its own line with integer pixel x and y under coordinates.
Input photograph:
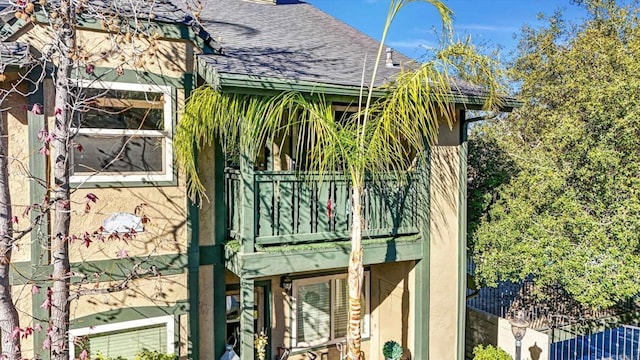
{"type": "Point", "coordinates": [389, 62]}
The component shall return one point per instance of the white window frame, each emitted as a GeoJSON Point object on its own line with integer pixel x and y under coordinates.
{"type": "Point", "coordinates": [366, 327]}
{"type": "Point", "coordinates": [123, 326]}
{"type": "Point", "coordinates": [166, 134]}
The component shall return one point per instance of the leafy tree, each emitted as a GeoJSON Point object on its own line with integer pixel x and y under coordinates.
{"type": "Point", "coordinates": [382, 138]}
{"type": "Point", "coordinates": [558, 200]}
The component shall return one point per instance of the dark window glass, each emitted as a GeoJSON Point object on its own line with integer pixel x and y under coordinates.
{"type": "Point", "coordinates": [119, 153]}
{"type": "Point", "coordinates": [120, 109]}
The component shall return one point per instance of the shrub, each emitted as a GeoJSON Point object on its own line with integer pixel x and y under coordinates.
{"type": "Point", "coordinates": [392, 350]}
{"type": "Point", "coordinates": [153, 355]}
{"type": "Point", "coordinates": [490, 353]}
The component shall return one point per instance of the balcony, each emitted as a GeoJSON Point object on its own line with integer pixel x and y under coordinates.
{"type": "Point", "coordinates": [287, 208]}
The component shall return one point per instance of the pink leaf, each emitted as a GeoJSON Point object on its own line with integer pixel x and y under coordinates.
{"type": "Point", "coordinates": [15, 334]}
{"type": "Point", "coordinates": [35, 289]}
{"type": "Point", "coordinates": [46, 344]}
{"type": "Point", "coordinates": [14, 219]}
{"type": "Point", "coordinates": [58, 111]}
{"type": "Point", "coordinates": [79, 147]}
{"type": "Point", "coordinates": [46, 304]}
{"type": "Point", "coordinates": [91, 197]}
{"type": "Point", "coordinates": [122, 253]}
{"type": "Point", "coordinates": [43, 151]}
{"type": "Point", "coordinates": [38, 327]}
{"type": "Point", "coordinates": [84, 355]}
{"type": "Point", "coordinates": [36, 109]}
{"type": "Point", "coordinates": [28, 331]}
{"type": "Point", "coordinates": [89, 68]}
{"type": "Point", "coordinates": [86, 241]}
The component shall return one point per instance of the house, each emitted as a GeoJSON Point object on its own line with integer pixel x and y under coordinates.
{"type": "Point", "coordinates": [269, 250]}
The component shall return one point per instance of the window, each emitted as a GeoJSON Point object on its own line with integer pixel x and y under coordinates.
{"type": "Point", "coordinates": [125, 339]}
{"type": "Point", "coordinates": [320, 310]}
{"type": "Point", "coordinates": [124, 133]}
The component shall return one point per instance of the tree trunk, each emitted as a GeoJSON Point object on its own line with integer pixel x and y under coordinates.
{"type": "Point", "coordinates": [356, 277]}
{"type": "Point", "coordinates": [8, 314]}
{"type": "Point", "coordinates": [61, 195]}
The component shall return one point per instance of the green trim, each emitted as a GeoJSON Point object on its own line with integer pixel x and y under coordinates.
{"type": "Point", "coordinates": [193, 264]}
{"type": "Point", "coordinates": [423, 266]}
{"type": "Point", "coordinates": [248, 199]}
{"type": "Point", "coordinates": [219, 270]}
{"type": "Point", "coordinates": [462, 236]}
{"type": "Point", "coordinates": [193, 260]}
{"type": "Point", "coordinates": [40, 254]}
{"type": "Point", "coordinates": [293, 259]}
{"type": "Point", "coordinates": [166, 30]}
{"type": "Point", "coordinates": [130, 76]}
{"type": "Point", "coordinates": [111, 269]}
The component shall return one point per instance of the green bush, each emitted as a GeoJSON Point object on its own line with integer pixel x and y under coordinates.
{"type": "Point", "coordinates": [153, 355]}
{"type": "Point", "coordinates": [490, 353]}
{"type": "Point", "coordinates": [392, 350]}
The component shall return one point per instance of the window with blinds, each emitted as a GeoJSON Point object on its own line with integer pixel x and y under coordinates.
{"type": "Point", "coordinates": [125, 339]}
{"type": "Point", "coordinates": [322, 310]}
{"type": "Point", "coordinates": [126, 344]}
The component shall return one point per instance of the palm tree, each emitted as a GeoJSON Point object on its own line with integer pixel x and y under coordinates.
{"type": "Point", "coordinates": [381, 138]}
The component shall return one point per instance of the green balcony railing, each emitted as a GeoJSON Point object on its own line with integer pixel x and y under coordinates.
{"type": "Point", "coordinates": [292, 207]}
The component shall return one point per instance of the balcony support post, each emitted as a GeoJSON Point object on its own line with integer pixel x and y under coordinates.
{"type": "Point", "coordinates": [422, 272]}
{"type": "Point", "coordinates": [247, 327]}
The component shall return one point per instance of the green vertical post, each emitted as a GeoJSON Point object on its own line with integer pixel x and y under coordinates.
{"type": "Point", "coordinates": [422, 266]}
{"type": "Point", "coordinates": [462, 235]}
{"type": "Point", "coordinates": [247, 301]}
{"type": "Point", "coordinates": [247, 214]}
{"type": "Point", "coordinates": [40, 254]}
{"type": "Point", "coordinates": [219, 269]}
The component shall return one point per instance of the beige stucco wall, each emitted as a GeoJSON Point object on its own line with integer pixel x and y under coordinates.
{"type": "Point", "coordinates": [170, 58]}
{"type": "Point", "coordinates": [444, 251]}
{"type": "Point", "coordinates": [22, 298]}
{"type": "Point", "coordinates": [159, 291]}
{"type": "Point", "coordinates": [392, 307]}
{"type": "Point", "coordinates": [14, 115]}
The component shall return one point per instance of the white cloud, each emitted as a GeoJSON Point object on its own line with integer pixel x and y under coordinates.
{"type": "Point", "coordinates": [481, 27]}
{"type": "Point", "coordinates": [411, 44]}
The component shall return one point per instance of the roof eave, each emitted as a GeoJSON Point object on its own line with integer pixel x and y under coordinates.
{"type": "Point", "coordinates": [244, 82]}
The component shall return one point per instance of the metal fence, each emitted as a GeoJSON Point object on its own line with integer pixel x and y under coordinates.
{"type": "Point", "coordinates": [620, 343]}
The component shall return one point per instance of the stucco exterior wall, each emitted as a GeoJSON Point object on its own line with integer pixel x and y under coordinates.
{"type": "Point", "coordinates": [443, 246]}
{"type": "Point", "coordinates": [14, 115]}
{"type": "Point", "coordinates": [159, 291]}
{"type": "Point", "coordinates": [170, 58]}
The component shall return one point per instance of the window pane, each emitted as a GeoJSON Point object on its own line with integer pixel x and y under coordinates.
{"type": "Point", "coordinates": [119, 153]}
{"type": "Point", "coordinates": [128, 343]}
{"type": "Point", "coordinates": [341, 308]}
{"type": "Point", "coordinates": [119, 109]}
{"type": "Point", "coordinates": [313, 317]}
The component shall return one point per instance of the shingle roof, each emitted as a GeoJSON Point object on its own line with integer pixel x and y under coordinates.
{"type": "Point", "coordinates": [293, 41]}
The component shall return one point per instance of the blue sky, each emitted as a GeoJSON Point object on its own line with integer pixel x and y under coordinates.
{"type": "Point", "coordinates": [493, 22]}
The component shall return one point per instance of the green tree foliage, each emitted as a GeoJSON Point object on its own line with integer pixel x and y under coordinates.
{"type": "Point", "coordinates": [555, 189]}
{"type": "Point", "coordinates": [490, 353]}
